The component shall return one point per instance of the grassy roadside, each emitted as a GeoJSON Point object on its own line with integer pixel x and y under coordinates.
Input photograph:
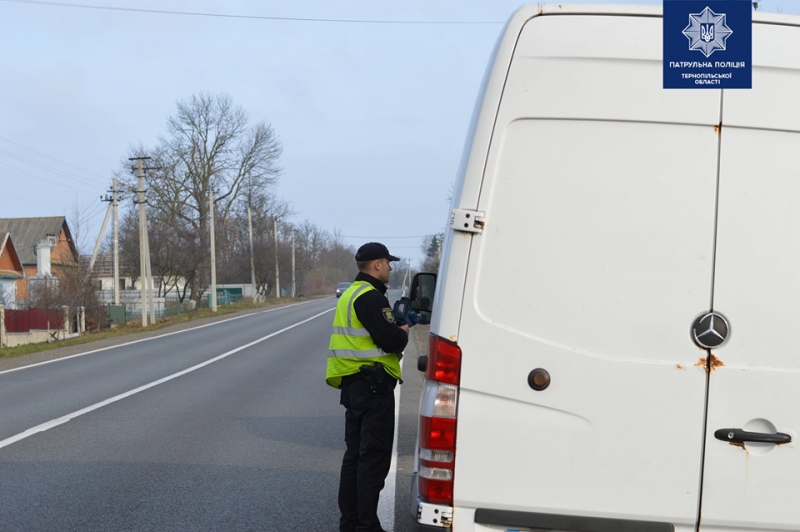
{"type": "Point", "coordinates": [135, 327]}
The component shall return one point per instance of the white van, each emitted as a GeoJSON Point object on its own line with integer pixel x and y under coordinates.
{"type": "Point", "coordinates": [612, 327]}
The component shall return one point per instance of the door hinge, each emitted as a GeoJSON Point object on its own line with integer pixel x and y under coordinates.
{"type": "Point", "coordinates": [466, 220]}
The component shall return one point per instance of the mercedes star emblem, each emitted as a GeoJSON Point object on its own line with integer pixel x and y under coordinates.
{"type": "Point", "coordinates": [710, 330]}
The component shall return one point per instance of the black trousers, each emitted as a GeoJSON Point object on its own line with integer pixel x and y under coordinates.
{"type": "Point", "coordinates": [369, 435]}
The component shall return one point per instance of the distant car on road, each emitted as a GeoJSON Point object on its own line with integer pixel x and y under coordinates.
{"type": "Point", "coordinates": [341, 287]}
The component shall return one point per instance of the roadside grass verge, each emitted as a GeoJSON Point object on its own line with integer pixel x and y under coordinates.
{"type": "Point", "coordinates": [135, 327]}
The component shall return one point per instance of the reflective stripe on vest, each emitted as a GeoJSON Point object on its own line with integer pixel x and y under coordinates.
{"type": "Point", "coordinates": [361, 353]}
{"type": "Point", "coordinates": [350, 338]}
{"type": "Point", "coordinates": [351, 345]}
{"type": "Point", "coordinates": [347, 331]}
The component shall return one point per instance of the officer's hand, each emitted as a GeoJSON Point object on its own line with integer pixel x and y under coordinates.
{"type": "Point", "coordinates": [404, 327]}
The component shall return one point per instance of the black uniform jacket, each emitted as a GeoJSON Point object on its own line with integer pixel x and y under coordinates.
{"type": "Point", "coordinates": [371, 311]}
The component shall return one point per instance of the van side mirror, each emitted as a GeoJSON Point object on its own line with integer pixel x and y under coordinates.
{"type": "Point", "coordinates": [422, 290]}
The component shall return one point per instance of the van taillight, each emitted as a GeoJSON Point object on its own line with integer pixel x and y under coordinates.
{"type": "Point", "coordinates": [437, 427]}
{"type": "Point", "coordinates": [444, 361]}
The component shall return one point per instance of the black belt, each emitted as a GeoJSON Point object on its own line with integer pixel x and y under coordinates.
{"type": "Point", "coordinates": [349, 379]}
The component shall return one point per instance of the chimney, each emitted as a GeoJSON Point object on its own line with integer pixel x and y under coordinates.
{"type": "Point", "coordinates": [43, 249]}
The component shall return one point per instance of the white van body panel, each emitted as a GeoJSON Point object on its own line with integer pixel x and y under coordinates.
{"type": "Point", "coordinates": [757, 287]}
{"type": "Point", "coordinates": [603, 242]}
{"type": "Point", "coordinates": [593, 232]}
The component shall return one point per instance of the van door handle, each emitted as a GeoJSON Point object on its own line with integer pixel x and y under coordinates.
{"type": "Point", "coordinates": [741, 436]}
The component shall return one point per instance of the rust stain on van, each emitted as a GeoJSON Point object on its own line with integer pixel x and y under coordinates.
{"type": "Point", "coordinates": [542, 10]}
{"type": "Point", "coordinates": [710, 364]}
{"type": "Point", "coordinates": [738, 444]}
{"type": "Point", "coordinates": [679, 366]}
{"type": "Point", "coordinates": [718, 129]}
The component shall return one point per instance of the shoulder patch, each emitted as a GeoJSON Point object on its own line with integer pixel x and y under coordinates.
{"type": "Point", "coordinates": [387, 313]}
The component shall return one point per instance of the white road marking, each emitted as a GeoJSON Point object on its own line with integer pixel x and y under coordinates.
{"type": "Point", "coordinates": [150, 338]}
{"type": "Point", "coordinates": [386, 503]}
{"type": "Point", "coordinates": [59, 421]}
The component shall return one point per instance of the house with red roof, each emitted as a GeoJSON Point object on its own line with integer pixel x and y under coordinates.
{"type": "Point", "coordinates": [44, 248]}
{"type": "Point", "coordinates": [11, 270]}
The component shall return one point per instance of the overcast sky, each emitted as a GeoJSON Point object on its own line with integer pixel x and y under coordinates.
{"type": "Point", "coordinates": [373, 111]}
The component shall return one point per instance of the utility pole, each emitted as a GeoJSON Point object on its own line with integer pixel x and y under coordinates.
{"type": "Point", "coordinates": [102, 231]}
{"type": "Point", "coordinates": [277, 271]}
{"type": "Point", "coordinates": [112, 210]}
{"type": "Point", "coordinates": [213, 254]}
{"type": "Point", "coordinates": [294, 234]}
{"type": "Point", "coordinates": [115, 203]}
{"type": "Point", "coordinates": [256, 297]}
{"type": "Point", "coordinates": [142, 229]}
{"type": "Point", "coordinates": [151, 288]}
{"type": "Point", "coordinates": [144, 252]}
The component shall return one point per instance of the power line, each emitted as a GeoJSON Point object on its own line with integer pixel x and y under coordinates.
{"type": "Point", "coordinates": [44, 178]}
{"type": "Point", "coordinates": [252, 17]}
{"type": "Point", "coordinates": [94, 210]}
{"type": "Point", "coordinates": [42, 166]}
{"type": "Point", "coordinates": [47, 156]}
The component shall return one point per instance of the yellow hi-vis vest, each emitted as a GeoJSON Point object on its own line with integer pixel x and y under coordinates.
{"type": "Point", "coordinates": [351, 345]}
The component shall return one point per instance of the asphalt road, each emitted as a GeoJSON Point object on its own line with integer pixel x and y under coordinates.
{"type": "Point", "coordinates": [228, 426]}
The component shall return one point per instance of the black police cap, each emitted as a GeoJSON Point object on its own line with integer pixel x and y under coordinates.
{"type": "Point", "coordinates": [373, 251]}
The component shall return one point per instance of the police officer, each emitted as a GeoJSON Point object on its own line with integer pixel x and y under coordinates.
{"type": "Point", "coordinates": [364, 362]}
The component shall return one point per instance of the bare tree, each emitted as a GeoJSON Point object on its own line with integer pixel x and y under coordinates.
{"type": "Point", "coordinates": [233, 253]}
{"type": "Point", "coordinates": [78, 285]}
{"type": "Point", "coordinates": [173, 253]}
{"type": "Point", "coordinates": [129, 245]}
{"type": "Point", "coordinates": [265, 210]}
{"type": "Point", "coordinates": [78, 288]}
{"type": "Point", "coordinates": [78, 219]}
{"type": "Point", "coordinates": [432, 247]}
{"type": "Point", "coordinates": [210, 146]}
{"type": "Point", "coordinates": [336, 263]}
{"type": "Point", "coordinates": [311, 242]}
{"type": "Point", "coordinates": [397, 279]}
{"type": "Point", "coordinates": [321, 260]}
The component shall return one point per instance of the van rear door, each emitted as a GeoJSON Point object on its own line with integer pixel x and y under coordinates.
{"type": "Point", "coordinates": [599, 193]}
{"type": "Point", "coordinates": [756, 386]}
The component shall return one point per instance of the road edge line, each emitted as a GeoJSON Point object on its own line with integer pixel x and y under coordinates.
{"type": "Point", "coordinates": [63, 419]}
{"type": "Point", "coordinates": [36, 364]}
